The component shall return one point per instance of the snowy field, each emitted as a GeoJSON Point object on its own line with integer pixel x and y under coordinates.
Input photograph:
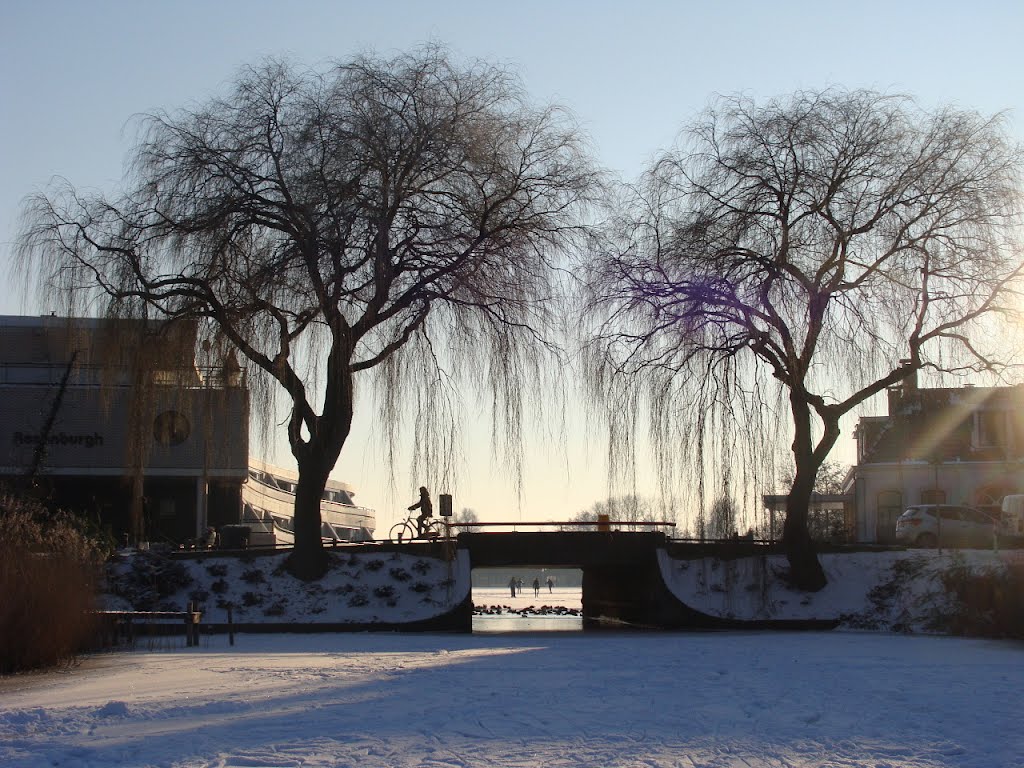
{"type": "Point", "coordinates": [843, 700]}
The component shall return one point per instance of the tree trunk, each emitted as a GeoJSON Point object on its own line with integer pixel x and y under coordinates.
{"type": "Point", "coordinates": [317, 456]}
{"type": "Point", "coordinates": [805, 572]}
{"type": "Point", "coordinates": [804, 569]}
{"type": "Point", "coordinates": [136, 511]}
{"type": "Point", "coordinates": [308, 561]}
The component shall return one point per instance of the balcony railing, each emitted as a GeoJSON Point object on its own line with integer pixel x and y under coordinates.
{"type": "Point", "coordinates": [210, 377]}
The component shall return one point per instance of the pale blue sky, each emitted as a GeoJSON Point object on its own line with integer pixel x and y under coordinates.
{"type": "Point", "coordinates": [73, 73]}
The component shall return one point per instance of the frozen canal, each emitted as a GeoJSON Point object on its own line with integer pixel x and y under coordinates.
{"type": "Point", "coordinates": [570, 700]}
{"type": "Point", "coordinates": [516, 622]}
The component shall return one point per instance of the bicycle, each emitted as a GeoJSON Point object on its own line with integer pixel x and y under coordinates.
{"type": "Point", "coordinates": [405, 530]}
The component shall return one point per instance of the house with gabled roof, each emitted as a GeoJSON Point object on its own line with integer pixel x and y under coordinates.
{"type": "Point", "coordinates": [962, 445]}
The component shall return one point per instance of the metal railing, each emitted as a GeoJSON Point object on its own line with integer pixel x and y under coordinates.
{"type": "Point", "coordinates": [187, 377]}
{"type": "Point", "coordinates": [602, 525]}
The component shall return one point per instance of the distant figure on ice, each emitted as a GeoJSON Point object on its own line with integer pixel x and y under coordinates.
{"type": "Point", "coordinates": [425, 507]}
{"type": "Point", "coordinates": [536, 587]}
{"type": "Point", "coordinates": [551, 585]}
{"type": "Point", "coordinates": [519, 586]}
{"type": "Point", "coordinates": [512, 583]}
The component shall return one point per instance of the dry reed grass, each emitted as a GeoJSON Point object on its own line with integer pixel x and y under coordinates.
{"type": "Point", "coordinates": [49, 570]}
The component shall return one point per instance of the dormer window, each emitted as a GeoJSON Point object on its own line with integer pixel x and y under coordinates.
{"type": "Point", "coordinates": [990, 429]}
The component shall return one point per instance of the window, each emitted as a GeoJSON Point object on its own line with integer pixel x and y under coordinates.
{"type": "Point", "coordinates": [991, 428]}
{"type": "Point", "coordinates": [977, 516]}
{"type": "Point", "coordinates": [890, 507]}
{"type": "Point", "coordinates": [339, 497]}
{"type": "Point", "coordinates": [933, 496]}
{"type": "Point", "coordinates": [951, 514]}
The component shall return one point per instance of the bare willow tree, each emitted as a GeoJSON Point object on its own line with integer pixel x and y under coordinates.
{"type": "Point", "coordinates": [721, 519]}
{"type": "Point", "coordinates": [808, 253]}
{"type": "Point", "coordinates": [394, 214]}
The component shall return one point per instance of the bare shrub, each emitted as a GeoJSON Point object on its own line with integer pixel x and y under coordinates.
{"type": "Point", "coordinates": [253, 576]}
{"type": "Point", "coordinates": [149, 580]}
{"type": "Point", "coordinates": [988, 602]}
{"type": "Point", "coordinates": [49, 568]}
{"type": "Point", "coordinates": [400, 574]}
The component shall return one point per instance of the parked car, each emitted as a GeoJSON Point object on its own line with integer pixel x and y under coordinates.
{"type": "Point", "coordinates": [927, 525]}
{"type": "Point", "coordinates": [1011, 521]}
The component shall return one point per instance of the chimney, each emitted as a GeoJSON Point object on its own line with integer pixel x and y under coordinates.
{"type": "Point", "coordinates": [910, 382]}
{"type": "Point", "coordinates": [894, 399]}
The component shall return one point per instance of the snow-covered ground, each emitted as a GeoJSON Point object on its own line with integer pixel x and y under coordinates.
{"type": "Point", "coordinates": [843, 699]}
{"type": "Point", "coordinates": [856, 700]}
{"type": "Point", "coordinates": [359, 588]}
{"type": "Point", "coordinates": [878, 590]}
{"type": "Point", "coordinates": [883, 590]}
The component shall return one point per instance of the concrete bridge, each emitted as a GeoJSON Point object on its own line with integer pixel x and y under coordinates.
{"type": "Point", "coordinates": [622, 579]}
{"type": "Point", "coordinates": [623, 582]}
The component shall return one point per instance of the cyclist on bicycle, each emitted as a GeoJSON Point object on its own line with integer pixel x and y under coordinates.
{"type": "Point", "coordinates": [425, 507]}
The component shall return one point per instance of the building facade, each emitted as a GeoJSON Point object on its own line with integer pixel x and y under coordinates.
{"type": "Point", "coordinates": [126, 422]}
{"type": "Point", "coordinates": [936, 445]}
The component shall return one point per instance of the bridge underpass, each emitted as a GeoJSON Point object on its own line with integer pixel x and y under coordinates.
{"type": "Point", "coordinates": [622, 582]}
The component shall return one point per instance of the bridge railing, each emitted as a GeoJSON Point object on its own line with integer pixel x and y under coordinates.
{"type": "Point", "coordinates": [601, 525]}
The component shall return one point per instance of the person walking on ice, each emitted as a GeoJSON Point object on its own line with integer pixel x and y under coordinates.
{"type": "Point", "coordinates": [536, 587]}
{"type": "Point", "coordinates": [512, 586]}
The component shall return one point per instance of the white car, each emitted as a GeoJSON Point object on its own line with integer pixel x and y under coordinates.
{"type": "Point", "coordinates": [1011, 520]}
{"type": "Point", "coordinates": [951, 525]}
